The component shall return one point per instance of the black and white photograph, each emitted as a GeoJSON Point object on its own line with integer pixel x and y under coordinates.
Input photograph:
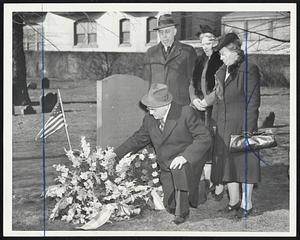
{"type": "Point", "coordinates": [149, 119]}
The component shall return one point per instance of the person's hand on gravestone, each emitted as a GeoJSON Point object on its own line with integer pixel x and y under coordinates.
{"type": "Point", "coordinates": [109, 156]}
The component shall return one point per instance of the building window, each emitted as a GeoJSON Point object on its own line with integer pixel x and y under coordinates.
{"type": "Point", "coordinates": [85, 33]}
{"type": "Point", "coordinates": [124, 31]}
{"type": "Point", "coordinates": [151, 34]}
{"type": "Point", "coordinates": [32, 37]}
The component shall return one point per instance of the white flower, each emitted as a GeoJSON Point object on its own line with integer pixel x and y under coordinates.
{"type": "Point", "coordinates": [85, 147]}
{"type": "Point", "coordinates": [74, 181]}
{"type": "Point", "coordinates": [118, 180]}
{"type": "Point", "coordinates": [81, 195]}
{"type": "Point", "coordinates": [69, 200]}
{"type": "Point", "coordinates": [76, 162]}
{"type": "Point", "coordinates": [82, 220]}
{"type": "Point", "coordinates": [142, 157]}
{"type": "Point", "coordinates": [155, 174]}
{"type": "Point", "coordinates": [93, 166]}
{"type": "Point", "coordinates": [84, 175]}
{"type": "Point", "coordinates": [155, 180]}
{"type": "Point", "coordinates": [144, 171]}
{"type": "Point", "coordinates": [61, 179]}
{"type": "Point", "coordinates": [89, 161]}
{"type": "Point", "coordinates": [118, 168]}
{"type": "Point", "coordinates": [123, 175]}
{"type": "Point", "coordinates": [137, 164]}
{"type": "Point", "coordinates": [88, 184]}
{"type": "Point", "coordinates": [103, 176]}
{"type": "Point", "coordinates": [151, 156]}
{"type": "Point", "coordinates": [154, 165]}
{"type": "Point", "coordinates": [99, 153]}
{"type": "Point", "coordinates": [140, 188]}
{"type": "Point", "coordinates": [144, 151]}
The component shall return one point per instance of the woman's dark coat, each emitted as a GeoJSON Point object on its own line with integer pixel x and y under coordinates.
{"type": "Point", "coordinates": [214, 63]}
{"type": "Point", "coordinates": [237, 111]}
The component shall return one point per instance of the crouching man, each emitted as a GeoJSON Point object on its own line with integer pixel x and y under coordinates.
{"type": "Point", "coordinates": [180, 140]}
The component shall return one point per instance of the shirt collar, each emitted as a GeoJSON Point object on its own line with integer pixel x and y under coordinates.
{"type": "Point", "coordinates": [166, 115]}
{"type": "Point", "coordinates": [166, 47]}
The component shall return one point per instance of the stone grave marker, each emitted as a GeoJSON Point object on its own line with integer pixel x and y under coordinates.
{"type": "Point", "coordinates": [31, 85]}
{"type": "Point", "coordinates": [45, 83]}
{"type": "Point", "coordinates": [28, 109]}
{"type": "Point", "coordinates": [48, 102]}
{"type": "Point", "coordinates": [119, 111]}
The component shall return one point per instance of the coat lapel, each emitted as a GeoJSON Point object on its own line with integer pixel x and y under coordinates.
{"type": "Point", "coordinates": [220, 74]}
{"type": "Point", "coordinates": [229, 79]}
{"type": "Point", "coordinates": [156, 134]}
{"type": "Point", "coordinates": [175, 51]}
{"type": "Point", "coordinates": [159, 55]}
{"type": "Point", "coordinates": [171, 121]}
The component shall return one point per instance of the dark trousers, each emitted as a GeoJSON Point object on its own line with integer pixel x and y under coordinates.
{"type": "Point", "coordinates": [180, 189]}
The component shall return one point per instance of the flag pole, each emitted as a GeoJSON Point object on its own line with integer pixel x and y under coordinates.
{"type": "Point", "coordinates": [63, 113]}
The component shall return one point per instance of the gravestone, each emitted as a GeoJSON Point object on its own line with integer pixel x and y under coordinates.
{"type": "Point", "coordinates": [119, 111]}
{"type": "Point", "coordinates": [48, 102]}
{"type": "Point", "coordinates": [31, 85]}
{"type": "Point", "coordinates": [28, 109]}
{"type": "Point", "coordinates": [269, 121]}
{"type": "Point", "coordinates": [45, 83]}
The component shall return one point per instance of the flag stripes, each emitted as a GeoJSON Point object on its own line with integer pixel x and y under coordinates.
{"type": "Point", "coordinates": [54, 130]}
{"type": "Point", "coordinates": [54, 123]}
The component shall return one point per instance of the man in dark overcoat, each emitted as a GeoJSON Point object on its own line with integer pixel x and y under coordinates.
{"type": "Point", "coordinates": [170, 62]}
{"type": "Point", "coordinates": [180, 140]}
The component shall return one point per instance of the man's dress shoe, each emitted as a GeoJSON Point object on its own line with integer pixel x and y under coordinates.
{"type": "Point", "coordinates": [181, 219]}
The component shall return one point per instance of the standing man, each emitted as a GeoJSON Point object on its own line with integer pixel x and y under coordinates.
{"type": "Point", "coordinates": [170, 62]}
{"type": "Point", "coordinates": [180, 140]}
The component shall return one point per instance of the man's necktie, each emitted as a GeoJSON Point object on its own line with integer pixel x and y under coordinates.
{"type": "Point", "coordinates": [168, 50]}
{"type": "Point", "coordinates": [161, 124]}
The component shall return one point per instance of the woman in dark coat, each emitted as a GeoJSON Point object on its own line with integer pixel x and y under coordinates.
{"type": "Point", "coordinates": [236, 101]}
{"type": "Point", "coordinates": [204, 81]}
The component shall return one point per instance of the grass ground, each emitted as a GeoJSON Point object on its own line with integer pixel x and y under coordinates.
{"type": "Point", "coordinates": [271, 196]}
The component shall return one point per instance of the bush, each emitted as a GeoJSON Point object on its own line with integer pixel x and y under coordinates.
{"type": "Point", "coordinates": [274, 69]}
{"type": "Point", "coordinates": [98, 65]}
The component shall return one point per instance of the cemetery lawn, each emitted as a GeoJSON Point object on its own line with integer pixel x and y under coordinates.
{"type": "Point", "coordinates": [270, 197]}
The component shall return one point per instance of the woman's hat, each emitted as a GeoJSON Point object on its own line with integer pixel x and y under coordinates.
{"type": "Point", "coordinates": [157, 96]}
{"type": "Point", "coordinates": [164, 21]}
{"type": "Point", "coordinates": [225, 40]}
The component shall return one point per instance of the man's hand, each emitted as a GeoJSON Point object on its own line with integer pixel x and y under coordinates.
{"type": "Point", "coordinates": [200, 105]}
{"type": "Point", "coordinates": [177, 162]}
{"type": "Point", "coordinates": [109, 156]}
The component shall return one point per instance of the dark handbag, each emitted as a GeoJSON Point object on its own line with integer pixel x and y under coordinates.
{"type": "Point", "coordinates": [250, 142]}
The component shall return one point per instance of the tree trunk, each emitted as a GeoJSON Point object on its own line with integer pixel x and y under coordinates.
{"type": "Point", "coordinates": [20, 91]}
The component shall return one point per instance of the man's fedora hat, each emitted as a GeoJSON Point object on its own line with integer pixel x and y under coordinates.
{"type": "Point", "coordinates": [226, 40]}
{"type": "Point", "coordinates": [157, 96]}
{"type": "Point", "coordinates": [164, 21]}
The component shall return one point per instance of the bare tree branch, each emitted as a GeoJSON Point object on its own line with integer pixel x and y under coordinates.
{"type": "Point", "coordinates": [264, 35]}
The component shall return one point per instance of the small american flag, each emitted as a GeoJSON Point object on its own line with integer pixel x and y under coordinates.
{"type": "Point", "coordinates": [54, 123]}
